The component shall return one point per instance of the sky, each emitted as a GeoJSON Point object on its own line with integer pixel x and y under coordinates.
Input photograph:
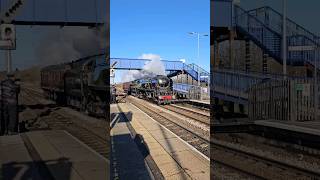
{"type": "Point", "coordinates": [31, 38]}
{"type": "Point", "coordinates": [159, 28]}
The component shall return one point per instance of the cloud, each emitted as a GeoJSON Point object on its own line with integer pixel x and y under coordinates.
{"type": "Point", "coordinates": [183, 60]}
{"type": "Point", "coordinates": [150, 56]}
{"type": "Point", "coordinates": [151, 69]}
{"type": "Point", "coordinates": [67, 44]}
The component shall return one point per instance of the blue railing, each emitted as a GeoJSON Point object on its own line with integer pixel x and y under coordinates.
{"type": "Point", "coordinates": [235, 83]}
{"type": "Point", "coordinates": [182, 87]}
{"type": "Point", "coordinates": [170, 66]}
{"type": "Point", "coordinates": [138, 64]}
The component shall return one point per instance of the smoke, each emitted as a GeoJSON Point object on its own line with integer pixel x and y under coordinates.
{"type": "Point", "coordinates": [67, 44]}
{"type": "Point", "coordinates": [151, 69]}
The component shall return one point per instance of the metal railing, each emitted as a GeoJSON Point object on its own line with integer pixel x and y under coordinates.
{"type": "Point", "coordinates": [289, 100]}
{"type": "Point", "coordinates": [138, 64]}
{"type": "Point", "coordinates": [192, 91]}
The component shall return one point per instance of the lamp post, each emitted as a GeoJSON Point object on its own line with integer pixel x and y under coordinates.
{"type": "Point", "coordinates": [198, 52]}
{"type": "Point", "coordinates": [284, 37]}
{"type": "Point", "coordinates": [316, 49]}
{"type": "Point", "coordinates": [198, 56]}
{"type": "Point", "coordinates": [112, 71]}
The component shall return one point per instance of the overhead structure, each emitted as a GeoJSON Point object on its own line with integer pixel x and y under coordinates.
{"type": "Point", "coordinates": [8, 33]}
{"type": "Point", "coordinates": [9, 14]}
{"type": "Point", "coordinates": [171, 67]}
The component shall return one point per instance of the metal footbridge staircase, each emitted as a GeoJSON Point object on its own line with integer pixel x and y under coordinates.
{"type": "Point", "coordinates": [263, 26]}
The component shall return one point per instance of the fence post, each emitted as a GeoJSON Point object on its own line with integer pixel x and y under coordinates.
{"type": "Point", "coordinates": [1, 112]}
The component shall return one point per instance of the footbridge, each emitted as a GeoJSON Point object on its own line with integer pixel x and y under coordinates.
{"type": "Point", "coordinates": [172, 68]}
{"type": "Point", "coordinates": [263, 27]}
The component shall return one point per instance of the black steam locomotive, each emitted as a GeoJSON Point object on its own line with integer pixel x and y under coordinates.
{"type": "Point", "coordinates": [80, 84]}
{"type": "Point", "coordinates": [158, 89]}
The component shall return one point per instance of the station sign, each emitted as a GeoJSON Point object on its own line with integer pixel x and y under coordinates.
{"type": "Point", "coordinates": [7, 37]}
{"type": "Point", "coordinates": [301, 48]}
{"type": "Point", "coordinates": [112, 72]}
{"type": "Point", "coordinates": [303, 88]}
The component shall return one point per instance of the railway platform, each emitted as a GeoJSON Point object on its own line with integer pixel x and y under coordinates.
{"type": "Point", "coordinates": [303, 133]}
{"type": "Point", "coordinates": [200, 103]}
{"type": "Point", "coordinates": [170, 156]}
{"type": "Point", "coordinates": [49, 154]}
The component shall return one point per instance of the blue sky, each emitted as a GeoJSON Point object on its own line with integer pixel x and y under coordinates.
{"type": "Point", "coordinates": [161, 28]}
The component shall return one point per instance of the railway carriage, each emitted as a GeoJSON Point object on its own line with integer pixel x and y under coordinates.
{"type": "Point", "coordinates": [80, 84]}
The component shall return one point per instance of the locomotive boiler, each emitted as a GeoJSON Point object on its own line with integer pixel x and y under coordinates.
{"type": "Point", "coordinates": [158, 89]}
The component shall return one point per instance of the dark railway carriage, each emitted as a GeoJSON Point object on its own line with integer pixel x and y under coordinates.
{"type": "Point", "coordinates": [52, 81]}
{"type": "Point", "coordinates": [158, 89]}
{"type": "Point", "coordinates": [126, 87]}
{"type": "Point", "coordinates": [80, 84]}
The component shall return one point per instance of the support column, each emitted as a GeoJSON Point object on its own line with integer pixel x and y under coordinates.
{"type": "Point", "coordinates": [8, 58]}
{"type": "Point", "coordinates": [231, 59]}
{"type": "Point", "coordinates": [265, 63]}
{"type": "Point", "coordinates": [248, 56]}
{"type": "Point", "coordinates": [214, 57]}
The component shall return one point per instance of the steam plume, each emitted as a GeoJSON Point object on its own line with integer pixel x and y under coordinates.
{"type": "Point", "coordinates": [69, 44]}
{"type": "Point", "coordinates": [151, 69]}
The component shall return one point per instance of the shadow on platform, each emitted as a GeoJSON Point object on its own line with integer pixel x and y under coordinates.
{"type": "Point", "coordinates": [37, 170]}
{"type": "Point", "coordinates": [117, 118]}
{"type": "Point", "coordinates": [128, 150]}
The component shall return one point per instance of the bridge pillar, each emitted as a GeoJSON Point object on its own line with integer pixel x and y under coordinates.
{"type": "Point", "coordinates": [236, 108]}
{"type": "Point", "coordinates": [217, 62]}
{"type": "Point", "coordinates": [240, 108]}
{"type": "Point", "coordinates": [231, 40]}
{"type": "Point", "coordinates": [248, 56]}
{"type": "Point", "coordinates": [265, 63]}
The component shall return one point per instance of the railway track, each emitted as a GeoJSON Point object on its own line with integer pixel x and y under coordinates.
{"type": "Point", "coordinates": [92, 134]}
{"type": "Point", "coordinates": [189, 113]}
{"type": "Point", "coordinates": [221, 171]}
{"type": "Point", "coordinates": [167, 120]}
{"type": "Point", "coordinates": [83, 132]}
{"type": "Point", "coordinates": [258, 166]}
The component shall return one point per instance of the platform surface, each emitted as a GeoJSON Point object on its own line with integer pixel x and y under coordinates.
{"type": "Point", "coordinates": [16, 163]}
{"type": "Point", "coordinates": [174, 158]}
{"type": "Point", "coordinates": [308, 127]}
{"type": "Point", "coordinates": [63, 156]}
{"type": "Point", "coordinates": [127, 162]}
{"type": "Point", "coordinates": [207, 102]}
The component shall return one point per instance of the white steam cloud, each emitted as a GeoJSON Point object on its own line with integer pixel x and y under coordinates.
{"type": "Point", "coordinates": [151, 69]}
{"type": "Point", "coordinates": [69, 44]}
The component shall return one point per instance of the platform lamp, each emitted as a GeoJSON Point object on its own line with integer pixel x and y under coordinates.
{"type": "Point", "coordinates": [316, 98]}
{"type": "Point", "coordinates": [198, 55]}
{"type": "Point", "coordinates": [112, 71]}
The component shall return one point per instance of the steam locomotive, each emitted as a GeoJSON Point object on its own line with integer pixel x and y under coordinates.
{"type": "Point", "coordinates": [80, 84]}
{"type": "Point", "coordinates": [158, 89]}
